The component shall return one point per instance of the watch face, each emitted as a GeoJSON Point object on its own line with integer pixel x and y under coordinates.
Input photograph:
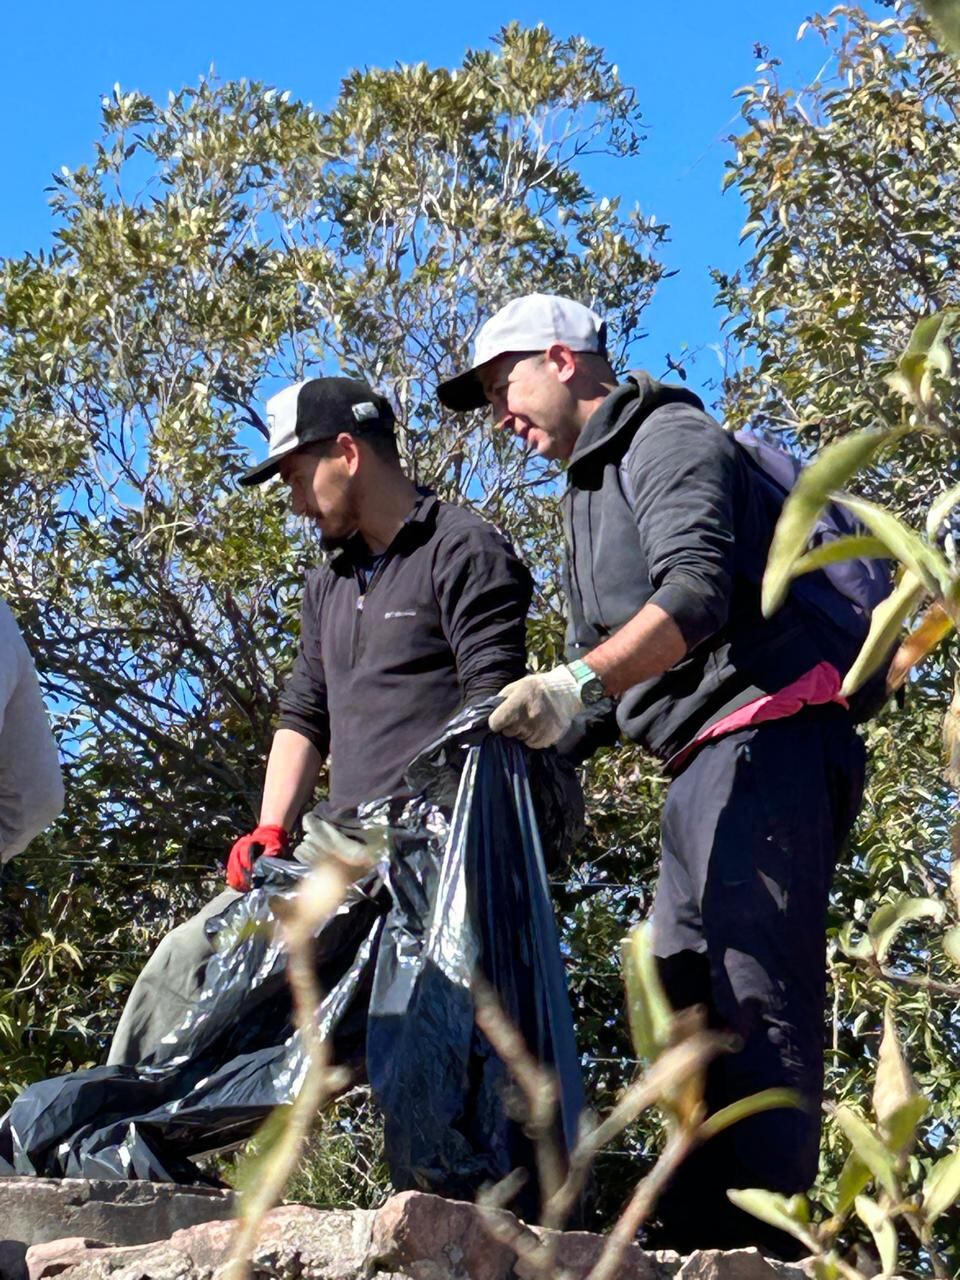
{"type": "Point", "coordinates": [592, 692]}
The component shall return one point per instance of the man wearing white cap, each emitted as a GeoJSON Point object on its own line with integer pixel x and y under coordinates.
{"type": "Point", "coordinates": [668, 525]}
{"type": "Point", "coordinates": [418, 610]}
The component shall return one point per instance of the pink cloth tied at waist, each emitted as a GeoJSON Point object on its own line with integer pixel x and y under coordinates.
{"type": "Point", "coordinates": [820, 685]}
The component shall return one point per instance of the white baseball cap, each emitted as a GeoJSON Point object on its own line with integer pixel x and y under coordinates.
{"type": "Point", "coordinates": [318, 409]}
{"type": "Point", "coordinates": [531, 323]}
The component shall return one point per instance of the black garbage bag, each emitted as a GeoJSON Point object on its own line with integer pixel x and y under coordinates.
{"type": "Point", "coordinates": [460, 886]}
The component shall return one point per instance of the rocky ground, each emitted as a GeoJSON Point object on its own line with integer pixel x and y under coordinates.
{"type": "Point", "coordinates": [141, 1231]}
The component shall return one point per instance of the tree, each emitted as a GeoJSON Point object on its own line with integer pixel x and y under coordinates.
{"type": "Point", "coordinates": [218, 244]}
{"type": "Point", "coordinates": [852, 188]}
{"type": "Point", "coordinates": [232, 239]}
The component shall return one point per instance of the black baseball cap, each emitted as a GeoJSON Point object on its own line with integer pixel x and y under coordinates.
{"type": "Point", "coordinates": [318, 409]}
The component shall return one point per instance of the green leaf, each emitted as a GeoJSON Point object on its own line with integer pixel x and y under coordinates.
{"type": "Point", "coordinates": [765, 1100]}
{"type": "Point", "coordinates": [901, 1126]}
{"type": "Point", "coordinates": [885, 626]}
{"type": "Point", "coordinates": [257, 1157]}
{"type": "Point", "coordinates": [789, 1214]}
{"type": "Point", "coordinates": [893, 1085]}
{"type": "Point", "coordinates": [942, 1187]}
{"type": "Point", "coordinates": [854, 1176]}
{"type": "Point", "coordinates": [922, 560]}
{"type": "Point", "coordinates": [648, 1008]}
{"type": "Point", "coordinates": [887, 921]}
{"type": "Point", "coordinates": [941, 509]}
{"type": "Point", "coordinates": [883, 1231]}
{"type": "Point", "coordinates": [927, 353]}
{"type": "Point", "coordinates": [946, 19]}
{"type": "Point", "coordinates": [927, 332]}
{"type": "Point", "coordinates": [831, 470]}
{"type": "Point", "coordinates": [848, 548]}
{"type": "Point", "coordinates": [869, 1148]}
{"type": "Point", "coordinates": [862, 949]}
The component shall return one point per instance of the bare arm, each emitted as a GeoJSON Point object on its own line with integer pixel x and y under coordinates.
{"type": "Point", "coordinates": [292, 770]}
{"type": "Point", "coordinates": [646, 646]}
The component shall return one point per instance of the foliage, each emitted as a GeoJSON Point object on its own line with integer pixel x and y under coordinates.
{"type": "Point", "coordinates": [675, 1048]}
{"type": "Point", "coordinates": [218, 244]}
{"type": "Point", "coordinates": [230, 239]}
{"type": "Point", "coordinates": [842, 320]}
{"type": "Point", "coordinates": [343, 1165]}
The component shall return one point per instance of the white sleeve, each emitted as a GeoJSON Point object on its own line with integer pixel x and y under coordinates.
{"type": "Point", "coordinates": [31, 786]}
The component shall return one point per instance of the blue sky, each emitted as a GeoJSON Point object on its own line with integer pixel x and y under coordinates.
{"type": "Point", "coordinates": [685, 60]}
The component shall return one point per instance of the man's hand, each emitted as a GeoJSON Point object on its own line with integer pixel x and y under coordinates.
{"type": "Point", "coordinates": [538, 709]}
{"type": "Point", "coordinates": [264, 840]}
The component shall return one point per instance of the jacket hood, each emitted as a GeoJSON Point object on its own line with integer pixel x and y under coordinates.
{"type": "Point", "coordinates": [623, 410]}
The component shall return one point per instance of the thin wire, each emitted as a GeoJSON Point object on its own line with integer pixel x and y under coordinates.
{"type": "Point", "coordinates": [571, 885]}
{"type": "Point", "coordinates": [570, 965]}
{"type": "Point", "coordinates": [123, 865]}
{"type": "Point", "coordinates": [87, 1034]}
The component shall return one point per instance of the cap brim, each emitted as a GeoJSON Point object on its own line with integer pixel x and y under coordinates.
{"type": "Point", "coordinates": [463, 392]}
{"type": "Point", "coordinates": [264, 470]}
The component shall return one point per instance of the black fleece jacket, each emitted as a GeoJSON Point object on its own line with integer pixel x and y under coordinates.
{"type": "Point", "coordinates": [662, 506]}
{"type": "Point", "coordinates": [384, 664]}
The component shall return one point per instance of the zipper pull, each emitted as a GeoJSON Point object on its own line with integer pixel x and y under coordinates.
{"type": "Point", "coordinates": [359, 604]}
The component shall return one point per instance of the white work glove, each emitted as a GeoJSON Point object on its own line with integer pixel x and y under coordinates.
{"type": "Point", "coordinates": [538, 709]}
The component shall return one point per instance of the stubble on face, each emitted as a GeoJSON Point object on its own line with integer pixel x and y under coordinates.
{"type": "Point", "coordinates": [528, 399]}
{"type": "Point", "coordinates": [322, 494]}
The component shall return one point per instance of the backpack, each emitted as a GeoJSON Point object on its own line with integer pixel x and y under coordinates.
{"type": "Point", "coordinates": [860, 583]}
{"type": "Point", "coordinates": [842, 595]}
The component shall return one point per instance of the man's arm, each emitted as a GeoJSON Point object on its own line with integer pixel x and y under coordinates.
{"type": "Point", "coordinates": [645, 647]}
{"type": "Point", "coordinates": [299, 747]}
{"type": "Point", "coordinates": [292, 769]}
{"type": "Point", "coordinates": [682, 471]}
{"type": "Point", "coordinates": [484, 592]}
{"type": "Point", "coordinates": [303, 701]}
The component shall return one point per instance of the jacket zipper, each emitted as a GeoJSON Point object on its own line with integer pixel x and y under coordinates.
{"type": "Point", "coordinates": [356, 646]}
{"type": "Point", "coordinates": [577, 602]}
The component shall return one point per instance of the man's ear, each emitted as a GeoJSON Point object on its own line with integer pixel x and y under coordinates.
{"type": "Point", "coordinates": [350, 449]}
{"type": "Point", "coordinates": [563, 360]}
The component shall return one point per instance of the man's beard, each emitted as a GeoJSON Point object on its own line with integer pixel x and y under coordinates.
{"type": "Point", "coordinates": [349, 526]}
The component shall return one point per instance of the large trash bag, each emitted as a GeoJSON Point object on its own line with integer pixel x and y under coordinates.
{"type": "Point", "coordinates": [460, 886]}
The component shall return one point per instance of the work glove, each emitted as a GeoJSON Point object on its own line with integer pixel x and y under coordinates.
{"type": "Point", "coordinates": [266, 840]}
{"type": "Point", "coordinates": [538, 709]}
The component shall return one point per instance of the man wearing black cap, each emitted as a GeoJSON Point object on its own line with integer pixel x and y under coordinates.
{"type": "Point", "coordinates": [418, 610]}
{"type": "Point", "coordinates": [668, 527]}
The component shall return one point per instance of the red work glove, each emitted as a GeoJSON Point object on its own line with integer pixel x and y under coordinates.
{"type": "Point", "coordinates": [271, 841]}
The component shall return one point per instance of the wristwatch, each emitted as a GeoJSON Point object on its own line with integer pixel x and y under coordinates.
{"type": "Point", "coordinates": [589, 683]}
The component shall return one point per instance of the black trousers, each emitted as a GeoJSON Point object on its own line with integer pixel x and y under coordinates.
{"type": "Point", "coordinates": [751, 831]}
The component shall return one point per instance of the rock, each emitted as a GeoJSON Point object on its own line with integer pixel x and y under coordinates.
{"type": "Point", "coordinates": [50, 1259]}
{"type": "Point", "coordinates": [578, 1252]}
{"type": "Point", "coordinates": [37, 1210]}
{"type": "Point", "coordinates": [413, 1236]}
{"type": "Point", "coordinates": [296, 1243]}
{"type": "Point", "coordinates": [429, 1238]}
{"type": "Point", "coordinates": [34, 1210]}
{"type": "Point", "coordinates": [739, 1264]}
